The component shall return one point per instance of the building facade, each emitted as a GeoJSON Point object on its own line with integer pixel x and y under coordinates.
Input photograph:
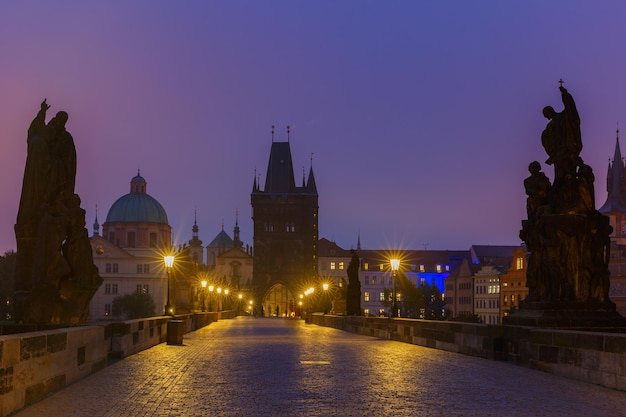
{"type": "Point", "coordinates": [615, 208]}
{"type": "Point", "coordinates": [129, 254]}
{"type": "Point", "coordinates": [285, 218]}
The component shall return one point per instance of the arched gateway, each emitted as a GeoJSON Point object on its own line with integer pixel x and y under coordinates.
{"type": "Point", "coordinates": [278, 301]}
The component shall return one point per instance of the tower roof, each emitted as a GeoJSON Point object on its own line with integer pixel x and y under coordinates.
{"type": "Point", "coordinates": [615, 181]}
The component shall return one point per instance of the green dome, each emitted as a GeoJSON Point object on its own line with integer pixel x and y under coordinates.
{"type": "Point", "coordinates": [137, 206]}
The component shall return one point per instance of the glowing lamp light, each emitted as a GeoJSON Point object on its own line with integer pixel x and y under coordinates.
{"type": "Point", "coordinates": [395, 264]}
{"type": "Point", "coordinates": [169, 261]}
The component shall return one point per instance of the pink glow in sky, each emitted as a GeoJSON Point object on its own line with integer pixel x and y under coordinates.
{"type": "Point", "coordinates": [422, 117]}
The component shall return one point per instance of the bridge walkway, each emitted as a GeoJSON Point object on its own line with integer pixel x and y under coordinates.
{"type": "Point", "coordinates": [280, 367]}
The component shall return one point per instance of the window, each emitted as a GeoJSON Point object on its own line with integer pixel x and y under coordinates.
{"type": "Point", "coordinates": [366, 296]}
{"type": "Point", "coordinates": [382, 296]}
{"type": "Point", "coordinates": [115, 267]}
{"type": "Point", "coordinates": [381, 267]}
{"type": "Point", "coordinates": [113, 288]}
{"type": "Point", "coordinates": [373, 280]}
{"type": "Point", "coordinates": [143, 268]}
{"type": "Point", "coordinates": [520, 263]}
{"type": "Point", "coordinates": [422, 268]}
{"type": "Point", "coordinates": [107, 310]}
{"type": "Point", "coordinates": [107, 268]}
{"type": "Point", "coordinates": [438, 268]}
{"type": "Point", "coordinates": [107, 288]}
{"type": "Point", "coordinates": [341, 265]}
{"type": "Point", "coordinates": [512, 298]}
{"type": "Point", "coordinates": [143, 288]}
{"type": "Point", "coordinates": [447, 267]}
{"type": "Point", "coordinates": [367, 280]}
{"type": "Point", "coordinates": [333, 266]}
{"type": "Point", "coordinates": [139, 268]}
{"type": "Point", "coordinates": [130, 239]}
{"type": "Point", "coordinates": [366, 311]}
{"type": "Point", "coordinates": [366, 266]}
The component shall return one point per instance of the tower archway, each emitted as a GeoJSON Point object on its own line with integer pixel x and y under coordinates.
{"type": "Point", "coordinates": [278, 301]}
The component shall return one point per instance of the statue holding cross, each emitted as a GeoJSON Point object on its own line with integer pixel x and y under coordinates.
{"type": "Point", "coordinates": [562, 139]}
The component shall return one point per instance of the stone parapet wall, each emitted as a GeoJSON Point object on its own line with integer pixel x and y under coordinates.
{"type": "Point", "coordinates": [593, 357]}
{"type": "Point", "coordinates": [35, 364]}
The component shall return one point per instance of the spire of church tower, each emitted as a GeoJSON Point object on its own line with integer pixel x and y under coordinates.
{"type": "Point", "coordinates": [358, 241]}
{"type": "Point", "coordinates": [96, 225]}
{"type": "Point", "coordinates": [237, 241]}
{"type": "Point", "coordinates": [196, 251]}
{"type": "Point", "coordinates": [615, 182]}
{"type": "Point", "coordinates": [311, 187]}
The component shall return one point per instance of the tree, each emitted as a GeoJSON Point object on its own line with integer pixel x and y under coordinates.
{"type": "Point", "coordinates": [7, 284]}
{"type": "Point", "coordinates": [133, 306]}
{"type": "Point", "coordinates": [433, 302]}
{"type": "Point", "coordinates": [353, 293]}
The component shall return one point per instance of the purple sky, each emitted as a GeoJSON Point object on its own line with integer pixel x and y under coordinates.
{"type": "Point", "coordinates": [422, 116]}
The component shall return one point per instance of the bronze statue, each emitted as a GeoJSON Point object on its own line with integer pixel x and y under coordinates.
{"type": "Point", "coordinates": [562, 139]}
{"type": "Point", "coordinates": [55, 276]}
{"type": "Point", "coordinates": [566, 237]}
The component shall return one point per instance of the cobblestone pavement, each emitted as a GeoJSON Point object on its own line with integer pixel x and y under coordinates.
{"type": "Point", "coordinates": [280, 367]}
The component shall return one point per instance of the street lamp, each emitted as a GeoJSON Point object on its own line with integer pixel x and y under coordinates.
{"type": "Point", "coordinates": [219, 299]}
{"type": "Point", "coordinates": [169, 263]}
{"type": "Point", "coordinates": [325, 287]}
{"type": "Point", "coordinates": [395, 265]}
{"type": "Point", "coordinates": [204, 284]}
{"type": "Point", "coordinates": [211, 288]}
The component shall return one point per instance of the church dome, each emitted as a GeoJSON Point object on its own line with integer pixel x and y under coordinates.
{"type": "Point", "coordinates": [137, 206]}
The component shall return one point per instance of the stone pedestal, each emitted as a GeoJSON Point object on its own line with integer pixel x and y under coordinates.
{"type": "Point", "coordinates": [567, 315]}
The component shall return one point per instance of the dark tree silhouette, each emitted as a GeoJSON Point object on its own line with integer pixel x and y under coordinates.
{"type": "Point", "coordinates": [133, 306]}
{"type": "Point", "coordinates": [353, 293]}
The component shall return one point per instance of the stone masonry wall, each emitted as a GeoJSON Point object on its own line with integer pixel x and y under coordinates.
{"type": "Point", "coordinates": [593, 357]}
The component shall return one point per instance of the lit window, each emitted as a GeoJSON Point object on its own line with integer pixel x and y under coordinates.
{"type": "Point", "coordinates": [332, 266]}
{"type": "Point", "coordinates": [366, 266]}
{"type": "Point", "coordinates": [341, 265]}
{"type": "Point", "coordinates": [422, 268]}
{"type": "Point", "coordinates": [366, 296]}
{"type": "Point", "coordinates": [382, 296]}
{"type": "Point", "coordinates": [366, 311]}
{"type": "Point", "coordinates": [381, 267]}
{"type": "Point", "coordinates": [438, 268]}
{"type": "Point", "coordinates": [447, 267]}
{"type": "Point", "coordinates": [512, 298]}
{"type": "Point", "coordinates": [520, 263]}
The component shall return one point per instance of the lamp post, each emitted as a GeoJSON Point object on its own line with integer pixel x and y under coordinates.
{"type": "Point", "coordinates": [169, 263]}
{"type": "Point", "coordinates": [395, 265]}
{"type": "Point", "coordinates": [211, 288]}
{"type": "Point", "coordinates": [226, 303]}
{"type": "Point", "coordinates": [204, 284]}
{"type": "Point", "coordinates": [219, 299]}
{"type": "Point", "coordinates": [325, 287]}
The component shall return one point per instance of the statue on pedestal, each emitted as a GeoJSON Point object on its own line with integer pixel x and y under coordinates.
{"type": "Point", "coordinates": [55, 276]}
{"type": "Point", "coordinates": [566, 237]}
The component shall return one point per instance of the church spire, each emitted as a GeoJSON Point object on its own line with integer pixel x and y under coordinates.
{"type": "Point", "coordinates": [615, 181]}
{"type": "Point", "coordinates": [96, 225]}
{"type": "Point", "coordinates": [237, 241]}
